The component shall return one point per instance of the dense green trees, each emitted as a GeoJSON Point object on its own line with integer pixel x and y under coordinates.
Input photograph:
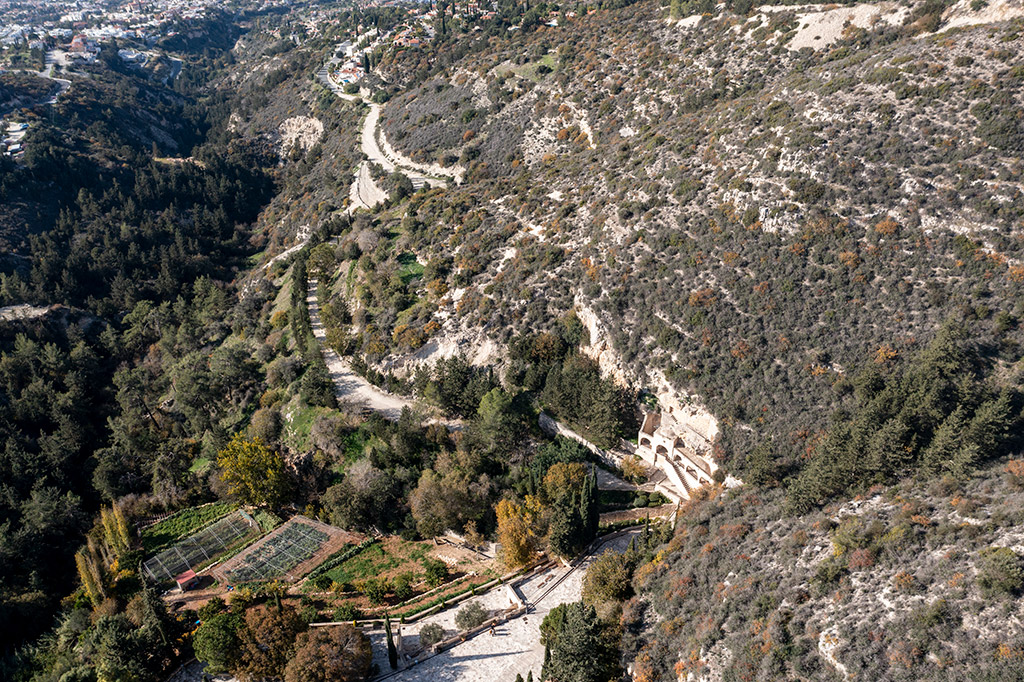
{"type": "Point", "coordinates": [121, 392]}
{"type": "Point", "coordinates": [573, 514]}
{"type": "Point", "coordinates": [580, 650]}
{"type": "Point", "coordinates": [498, 428]}
{"type": "Point", "coordinates": [49, 427]}
{"type": "Point", "coordinates": [456, 386]}
{"type": "Point", "coordinates": [136, 644]}
{"type": "Point", "coordinates": [934, 416]}
{"type": "Point", "coordinates": [216, 642]}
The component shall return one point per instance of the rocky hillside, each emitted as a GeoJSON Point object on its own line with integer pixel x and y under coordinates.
{"type": "Point", "coordinates": [748, 209]}
{"type": "Point", "coordinates": [907, 583]}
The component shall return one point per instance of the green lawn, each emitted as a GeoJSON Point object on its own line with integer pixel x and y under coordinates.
{"type": "Point", "coordinates": [200, 465]}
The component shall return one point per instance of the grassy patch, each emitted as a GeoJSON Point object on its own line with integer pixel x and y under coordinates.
{"type": "Point", "coordinates": [353, 448]}
{"type": "Point", "coordinates": [411, 269]}
{"type": "Point", "coordinates": [378, 560]}
{"type": "Point", "coordinates": [185, 522]}
{"type": "Point", "coordinates": [299, 422]}
{"type": "Point", "coordinates": [532, 71]}
{"type": "Point", "coordinates": [201, 465]}
{"type": "Point", "coordinates": [255, 258]}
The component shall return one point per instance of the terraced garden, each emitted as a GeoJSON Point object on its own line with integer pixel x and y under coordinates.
{"type": "Point", "coordinates": [288, 552]}
{"type": "Point", "coordinates": [203, 547]}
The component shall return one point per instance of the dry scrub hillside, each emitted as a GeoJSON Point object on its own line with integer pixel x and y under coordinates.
{"type": "Point", "coordinates": [916, 582]}
{"type": "Point", "coordinates": [312, 133]}
{"type": "Point", "coordinates": [754, 221]}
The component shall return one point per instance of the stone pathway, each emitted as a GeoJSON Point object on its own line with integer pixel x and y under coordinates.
{"type": "Point", "coordinates": [608, 481]}
{"type": "Point", "coordinates": [513, 648]}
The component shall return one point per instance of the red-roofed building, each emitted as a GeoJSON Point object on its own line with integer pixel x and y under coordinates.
{"type": "Point", "coordinates": [187, 580]}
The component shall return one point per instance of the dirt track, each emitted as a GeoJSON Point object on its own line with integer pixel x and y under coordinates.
{"type": "Point", "coordinates": [349, 386]}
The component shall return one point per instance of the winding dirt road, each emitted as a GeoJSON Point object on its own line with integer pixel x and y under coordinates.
{"type": "Point", "coordinates": [349, 386]}
{"type": "Point", "coordinates": [364, 192]}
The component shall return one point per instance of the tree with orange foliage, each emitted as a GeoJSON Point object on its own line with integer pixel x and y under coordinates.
{"type": "Point", "coordinates": [518, 530]}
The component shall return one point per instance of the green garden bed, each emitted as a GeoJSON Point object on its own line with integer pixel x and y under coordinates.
{"type": "Point", "coordinates": [183, 523]}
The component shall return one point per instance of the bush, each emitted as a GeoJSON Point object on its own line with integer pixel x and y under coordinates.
{"type": "Point", "coordinates": [470, 616]}
{"type": "Point", "coordinates": [403, 587]}
{"type": "Point", "coordinates": [431, 634]}
{"type": "Point", "coordinates": [376, 590]}
{"type": "Point", "coordinates": [346, 611]}
{"type": "Point", "coordinates": [607, 579]}
{"type": "Point", "coordinates": [1015, 471]}
{"type": "Point", "coordinates": [436, 571]}
{"type": "Point", "coordinates": [1000, 572]}
{"type": "Point", "coordinates": [321, 583]}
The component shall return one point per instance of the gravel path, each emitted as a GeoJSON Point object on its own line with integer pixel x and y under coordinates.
{"type": "Point", "coordinates": [349, 386]}
{"type": "Point", "coordinates": [364, 192]}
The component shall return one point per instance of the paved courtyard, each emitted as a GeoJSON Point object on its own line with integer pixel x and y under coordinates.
{"type": "Point", "coordinates": [513, 648]}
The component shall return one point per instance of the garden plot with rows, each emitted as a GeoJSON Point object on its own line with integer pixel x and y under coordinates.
{"type": "Point", "coordinates": [287, 553]}
{"type": "Point", "coordinates": [201, 548]}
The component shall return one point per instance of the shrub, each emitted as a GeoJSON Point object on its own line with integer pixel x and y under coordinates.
{"type": "Point", "coordinates": [436, 571]}
{"type": "Point", "coordinates": [321, 583]}
{"type": "Point", "coordinates": [861, 558]}
{"type": "Point", "coordinates": [346, 611]}
{"type": "Point", "coordinates": [403, 587]}
{"type": "Point", "coordinates": [607, 579]}
{"type": "Point", "coordinates": [1015, 471]}
{"type": "Point", "coordinates": [1000, 572]}
{"type": "Point", "coordinates": [376, 590]}
{"type": "Point", "coordinates": [431, 634]}
{"type": "Point", "coordinates": [470, 616]}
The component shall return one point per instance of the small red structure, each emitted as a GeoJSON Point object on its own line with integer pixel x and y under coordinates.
{"type": "Point", "coordinates": [187, 580]}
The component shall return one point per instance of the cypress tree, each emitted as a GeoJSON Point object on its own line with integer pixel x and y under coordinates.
{"type": "Point", "coordinates": [392, 651]}
{"type": "Point", "coordinates": [586, 513]}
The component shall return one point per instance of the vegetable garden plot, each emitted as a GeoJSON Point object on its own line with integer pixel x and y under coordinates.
{"type": "Point", "coordinates": [201, 547]}
{"type": "Point", "coordinates": [290, 545]}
